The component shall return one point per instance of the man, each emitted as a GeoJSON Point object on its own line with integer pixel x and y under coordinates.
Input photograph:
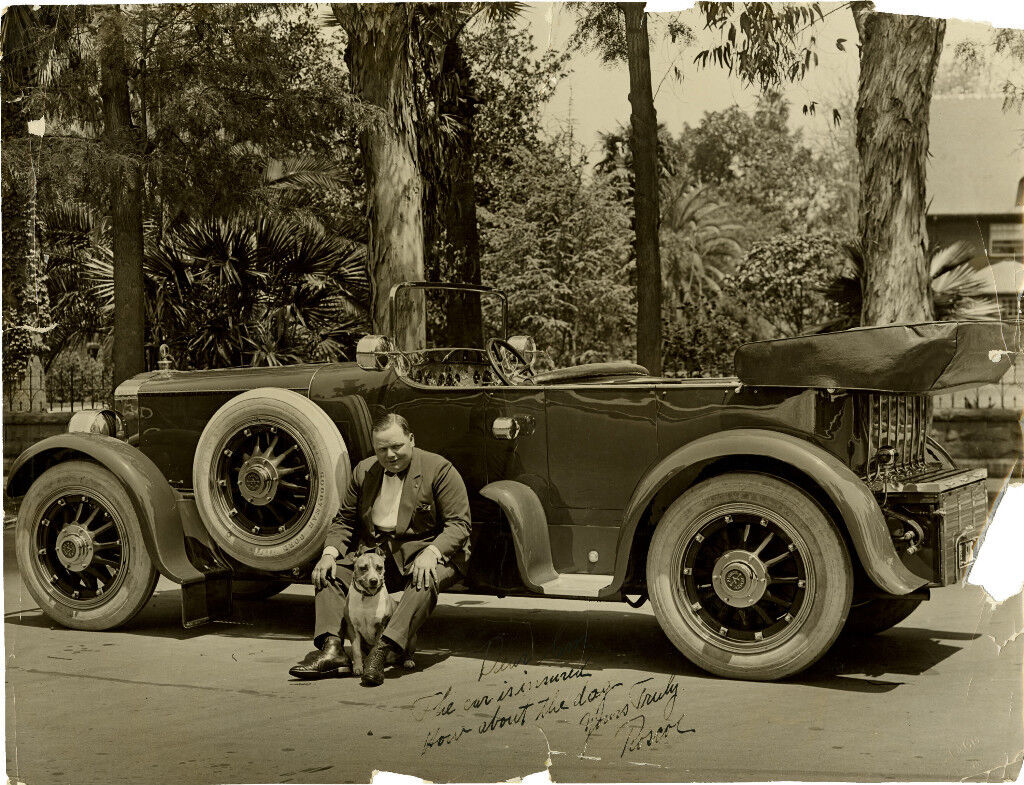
{"type": "Point", "coordinates": [414, 504]}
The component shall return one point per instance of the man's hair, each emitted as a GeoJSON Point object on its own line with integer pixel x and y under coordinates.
{"type": "Point", "coordinates": [386, 421]}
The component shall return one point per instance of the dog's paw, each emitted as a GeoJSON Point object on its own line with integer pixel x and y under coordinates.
{"type": "Point", "coordinates": [357, 670]}
{"type": "Point", "coordinates": [409, 664]}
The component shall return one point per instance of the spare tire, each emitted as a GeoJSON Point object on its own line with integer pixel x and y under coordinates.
{"type": "Point", "coordinates": [268, 473]}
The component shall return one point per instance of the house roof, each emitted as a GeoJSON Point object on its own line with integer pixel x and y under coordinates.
{"type": "Point", "coordinates": [977, 156]}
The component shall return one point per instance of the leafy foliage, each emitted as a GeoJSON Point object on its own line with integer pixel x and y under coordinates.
{"type": "Point", "coordinates": [764, 44]}
{"type": "Point", "coordinates": [764, 172]}
{"type": "Point", "coordinates": [703, 340]}
{"type": "Point", "coordinates": [559, 246]}
{"type": "Point", "coordinates": [782, 280]}
{"type": "Point", "coordinates": [260, 290]}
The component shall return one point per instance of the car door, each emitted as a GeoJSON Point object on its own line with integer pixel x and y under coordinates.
{"type": "Point", "coordinates": [601, 439]}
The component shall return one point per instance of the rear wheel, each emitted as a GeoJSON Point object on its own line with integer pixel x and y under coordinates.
{"type": "Point", "coordinates": [748, 577]}
{"type": "Point", "coordinates": [80, 548]}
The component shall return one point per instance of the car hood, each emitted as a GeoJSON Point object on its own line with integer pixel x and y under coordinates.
{"type": "Point", "coordinates": [227, 380]}
{"type": "Point", "coordinates": [900, 358]}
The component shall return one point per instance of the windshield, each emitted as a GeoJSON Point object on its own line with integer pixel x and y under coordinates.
{"type": "Point", "coordinates": [455, 315]}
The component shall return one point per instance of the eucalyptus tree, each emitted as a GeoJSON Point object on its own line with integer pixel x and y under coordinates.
{"type": "Point", "coordinates": [899, 57]}
{"type": "Point", "coordinates": [378, 56]}
{"type": "Point", "coordinates": [620, 32]}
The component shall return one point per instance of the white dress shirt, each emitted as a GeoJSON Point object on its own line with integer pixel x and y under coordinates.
{"type": "Point", "coordinates": [384, 512]}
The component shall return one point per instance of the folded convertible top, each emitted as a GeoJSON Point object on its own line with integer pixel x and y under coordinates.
{"type": "Point", "coordinates": [901, 358]}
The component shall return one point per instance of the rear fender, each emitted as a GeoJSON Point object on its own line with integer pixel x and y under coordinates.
{"type": "Point", "coordinates": [155, 502]}
{"type": "Point", "coordinates": [858, 510]}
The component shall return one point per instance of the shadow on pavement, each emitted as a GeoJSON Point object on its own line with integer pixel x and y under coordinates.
{"type": "Point", "coordinates": [597, 636]}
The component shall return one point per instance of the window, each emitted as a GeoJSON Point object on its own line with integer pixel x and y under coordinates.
{"type": "Point", "coordinates": [1006, 240]}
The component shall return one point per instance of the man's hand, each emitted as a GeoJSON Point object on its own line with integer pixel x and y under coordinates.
{"type": "Point", "coordinates": [424, 569]}
{"type": "Point", "coordinates": [327, 566]}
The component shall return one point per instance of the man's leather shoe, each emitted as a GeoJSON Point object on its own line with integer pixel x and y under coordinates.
{"type": "Point", "coordinates": [324, 664]}
{"type": "Point", "coordinates": [376, 661]}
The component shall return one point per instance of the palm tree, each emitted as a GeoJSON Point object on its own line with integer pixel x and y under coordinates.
{"type": "Point", "coordinates": [955, 292]}
{"type": "Point", "coordinates": [245, 290]}
{"type": "Point", "coordinates": [698, 241]}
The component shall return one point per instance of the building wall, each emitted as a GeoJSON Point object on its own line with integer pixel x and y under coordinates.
{"type": "Point", "coordinates": [974, 229]}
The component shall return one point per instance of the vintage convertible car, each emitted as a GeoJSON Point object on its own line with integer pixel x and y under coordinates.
{"type": "Point", "coordinates": [760, 514]}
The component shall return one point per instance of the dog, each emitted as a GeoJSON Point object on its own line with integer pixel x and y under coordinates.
{"type": "Point", "coordinates": [369, 608]}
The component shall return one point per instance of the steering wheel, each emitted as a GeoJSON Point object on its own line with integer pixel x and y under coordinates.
{"type": "Point", "coordinates": [507, 362]}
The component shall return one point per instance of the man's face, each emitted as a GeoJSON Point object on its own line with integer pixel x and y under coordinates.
{"type": "Point", "coordinates": [393, 448]}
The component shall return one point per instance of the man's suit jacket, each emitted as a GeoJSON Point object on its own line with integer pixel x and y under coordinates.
{"type": "Point", "coordinates": [434, 510]}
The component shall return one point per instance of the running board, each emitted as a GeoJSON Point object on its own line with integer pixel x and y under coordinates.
{"type": "Point", "coordinates": [569, 584]}
{"type": "Point", "coordinates": [525, 515]}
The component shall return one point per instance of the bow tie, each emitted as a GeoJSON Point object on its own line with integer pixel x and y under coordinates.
{"type": "Point", "coordinates": [396, 474]}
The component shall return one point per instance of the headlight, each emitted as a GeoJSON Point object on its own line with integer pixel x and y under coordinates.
{"type": "Point", "coordinates": [105, 422]}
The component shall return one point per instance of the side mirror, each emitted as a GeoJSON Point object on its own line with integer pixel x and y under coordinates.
{"type": "Point", "coordinates": [374, 352]}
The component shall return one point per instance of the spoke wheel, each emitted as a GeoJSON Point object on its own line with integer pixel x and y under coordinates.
{"type": "Point", "coordinates": [748, 577]}
{"type": "Point", "coordinates": [744, 575]}
{"type": "Point", "coordinates": [80, 548]}
{"type": "Point", "coordinates": [264, 478]}
{"type": "Point", "coordinates": [268, 472]}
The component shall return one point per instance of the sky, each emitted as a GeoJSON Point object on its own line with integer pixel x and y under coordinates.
{"type": "Point", "coordinates": [594, 97]}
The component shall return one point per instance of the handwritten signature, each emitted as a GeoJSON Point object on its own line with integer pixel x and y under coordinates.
{"type": "Point", "coordinates": [639, 736]}
{"type": "Point", "coordinates": [603, 704]}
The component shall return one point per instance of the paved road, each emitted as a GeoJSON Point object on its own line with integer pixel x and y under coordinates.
{"type": "Point", "coordinates": [606, 699]}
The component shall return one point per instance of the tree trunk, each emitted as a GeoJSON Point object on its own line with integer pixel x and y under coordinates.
{"type": "Point", "coordinates": [378, 38]}
{"type": "Point", "coordinates": [465, 319]}
{"type": "Point", "coordinates": [644, 144]}
{"type": "Point", "coordinates": [898, 60]}
{"type": "Point", "coordinates": [125, 201]}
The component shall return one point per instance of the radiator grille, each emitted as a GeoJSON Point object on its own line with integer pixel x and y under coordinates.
{"type": "Point", "coordinates": [899, 422]}
{"type": "Point", "coordinates": [964, 512]}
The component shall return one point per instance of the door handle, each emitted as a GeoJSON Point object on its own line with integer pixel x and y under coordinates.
{"type": "Point", "coordinates": [505, 428]}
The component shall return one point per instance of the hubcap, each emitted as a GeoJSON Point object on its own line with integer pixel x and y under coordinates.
{"type": "Point", "coordinates": [257, 481]}
{"type": "Point", "coordinates": [739, 579]}
{"type": "Point", "coordinates": [743, 578]}
{"type": "Point", "coordinates": [74, 547]}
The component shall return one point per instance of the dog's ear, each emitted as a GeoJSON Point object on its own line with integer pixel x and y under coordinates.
{"type": "Point", "coordinates": [377, 549]}
{"type": "Point", "coordinates": [361, 550]}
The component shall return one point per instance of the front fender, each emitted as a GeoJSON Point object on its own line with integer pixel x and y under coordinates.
{"type": "Point", "coordinates": [155, 502]}
{"type": "Point", "coordinates": [857, 507]}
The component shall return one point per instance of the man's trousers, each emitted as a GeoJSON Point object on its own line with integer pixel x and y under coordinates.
{"type": "Point", "coordinates": [413, 609]}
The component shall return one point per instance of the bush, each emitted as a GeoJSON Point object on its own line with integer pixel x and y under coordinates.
{"type": "Point", "coordinates": [710, 329]}
{"type": "Point", "coordinates": [782, 280]}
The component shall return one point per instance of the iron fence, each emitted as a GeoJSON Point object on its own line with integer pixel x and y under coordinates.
{"type": "Point", "coordinates": [1008, 393]}
{"type": "Point", "coordinates": [64, 390]}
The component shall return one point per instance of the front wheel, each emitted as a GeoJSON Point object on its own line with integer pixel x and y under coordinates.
{"type": "Point", "coordinates": [80, 548]}
{"type": "Point", "coordinates": [749, 577]}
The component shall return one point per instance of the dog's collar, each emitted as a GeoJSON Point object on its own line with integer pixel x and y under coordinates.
{"type": "Point", "coordinates": [359, 589]}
